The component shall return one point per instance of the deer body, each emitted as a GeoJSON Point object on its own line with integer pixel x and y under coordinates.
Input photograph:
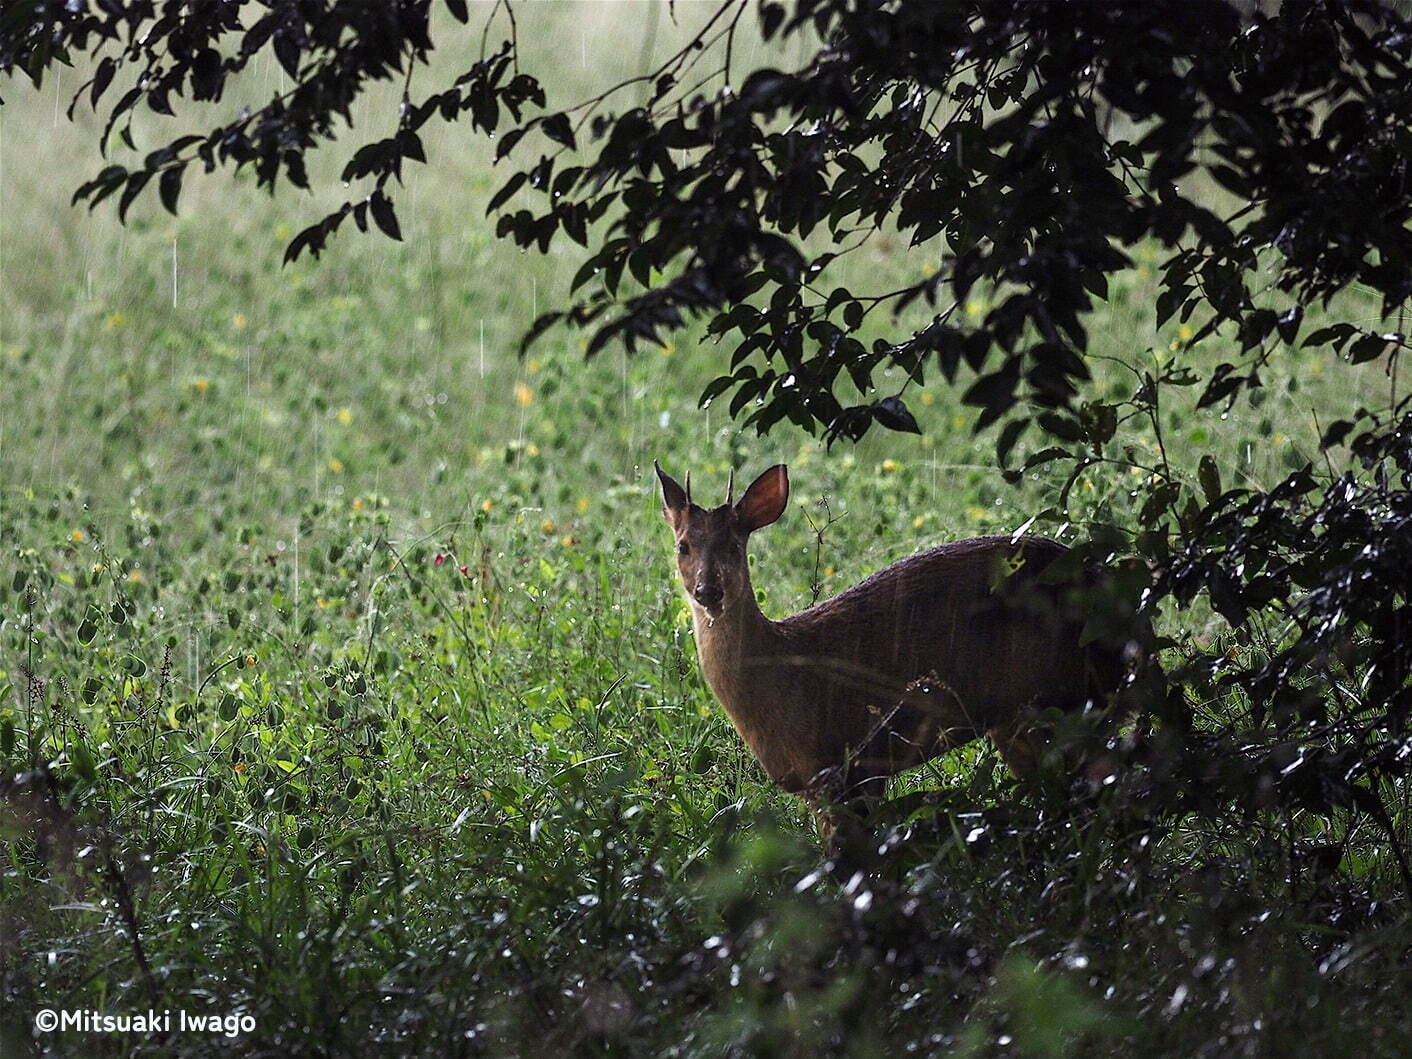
{"type": "Point", "coordinates": [921, 657]}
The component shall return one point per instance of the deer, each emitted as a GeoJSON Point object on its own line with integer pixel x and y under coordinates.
{"type": "Point", "coordinates": [926, 655]}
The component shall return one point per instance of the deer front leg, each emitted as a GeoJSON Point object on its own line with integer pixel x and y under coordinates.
{"type": "Point", "coordinates": [843, 806]}
{"type": "Point", "coordinates": [1020, 746]}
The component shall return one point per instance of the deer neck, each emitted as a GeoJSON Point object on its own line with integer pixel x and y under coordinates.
{"type": "Point", "coordinates": [732, 648]}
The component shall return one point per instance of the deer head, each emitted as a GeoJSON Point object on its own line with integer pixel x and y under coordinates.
{"type": "Point", "coordinates": [711, 543]}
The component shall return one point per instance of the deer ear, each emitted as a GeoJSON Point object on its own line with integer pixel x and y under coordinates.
{"type": "Point", "coordinates": [673, 495]}
{"type": "Point", "coordinates": [764, 501]}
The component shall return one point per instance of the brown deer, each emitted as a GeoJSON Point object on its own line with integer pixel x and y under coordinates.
{"type": "Point", "coordinates": [921, 657]}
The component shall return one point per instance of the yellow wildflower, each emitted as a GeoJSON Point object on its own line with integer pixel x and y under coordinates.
{"type": "Point", "coordinates": [76, 536]}
{"type": "Point", "coordinates": [202, 385]}
{"type": "Point", "coordinates": [345, 416]}
{"type": "Point", "coordinates": [336, 466]}
{"type": "Point", "coordinates": [524, 396]}
{"type": "Point", "coordinates": [488, 506]}
{"type": "Point", "coordinates": [238, 321]}
{"type": "Point", "coordinates": [547, 526]}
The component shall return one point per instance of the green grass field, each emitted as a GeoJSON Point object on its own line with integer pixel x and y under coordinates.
{"type": "Point", "coordinates": [357, 641]}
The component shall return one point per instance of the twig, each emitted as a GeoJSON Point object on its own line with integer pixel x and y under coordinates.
{"type": "Point", "coordinates": [816, 585]}
{"type": "Point", "coordinates": [122, 894]}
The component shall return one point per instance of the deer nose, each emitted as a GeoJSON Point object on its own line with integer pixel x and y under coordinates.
{"type": "Point", "coordinates": [709, 596]}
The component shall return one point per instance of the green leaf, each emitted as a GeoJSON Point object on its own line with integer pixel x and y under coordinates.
{"type": "Point", "coordinates": [83, 762]}
{"type": "Point", "coordinates": [1210, 476]}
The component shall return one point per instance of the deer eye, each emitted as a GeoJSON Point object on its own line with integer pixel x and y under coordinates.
{"type": "Point", "coordinates": [683, 548]}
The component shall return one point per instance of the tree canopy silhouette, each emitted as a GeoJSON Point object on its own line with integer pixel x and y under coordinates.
{"type": "Point", "coordinates": [1021, 146]}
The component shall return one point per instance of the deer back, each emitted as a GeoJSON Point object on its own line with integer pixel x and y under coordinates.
{"type": "Point", "coordinates": [922, 656]}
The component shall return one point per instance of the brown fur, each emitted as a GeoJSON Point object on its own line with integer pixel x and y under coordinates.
{"type": "Point", "coordinates": [921, 657]}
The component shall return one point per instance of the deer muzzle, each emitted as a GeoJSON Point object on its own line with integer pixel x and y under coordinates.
{"type": "Point", "coordinates": [710, 596]}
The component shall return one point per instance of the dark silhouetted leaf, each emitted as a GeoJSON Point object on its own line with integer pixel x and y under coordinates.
{"type": "Point", "coordinates": [383, 215]}
{"type": "Point", "coordinates": [894, 415]}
